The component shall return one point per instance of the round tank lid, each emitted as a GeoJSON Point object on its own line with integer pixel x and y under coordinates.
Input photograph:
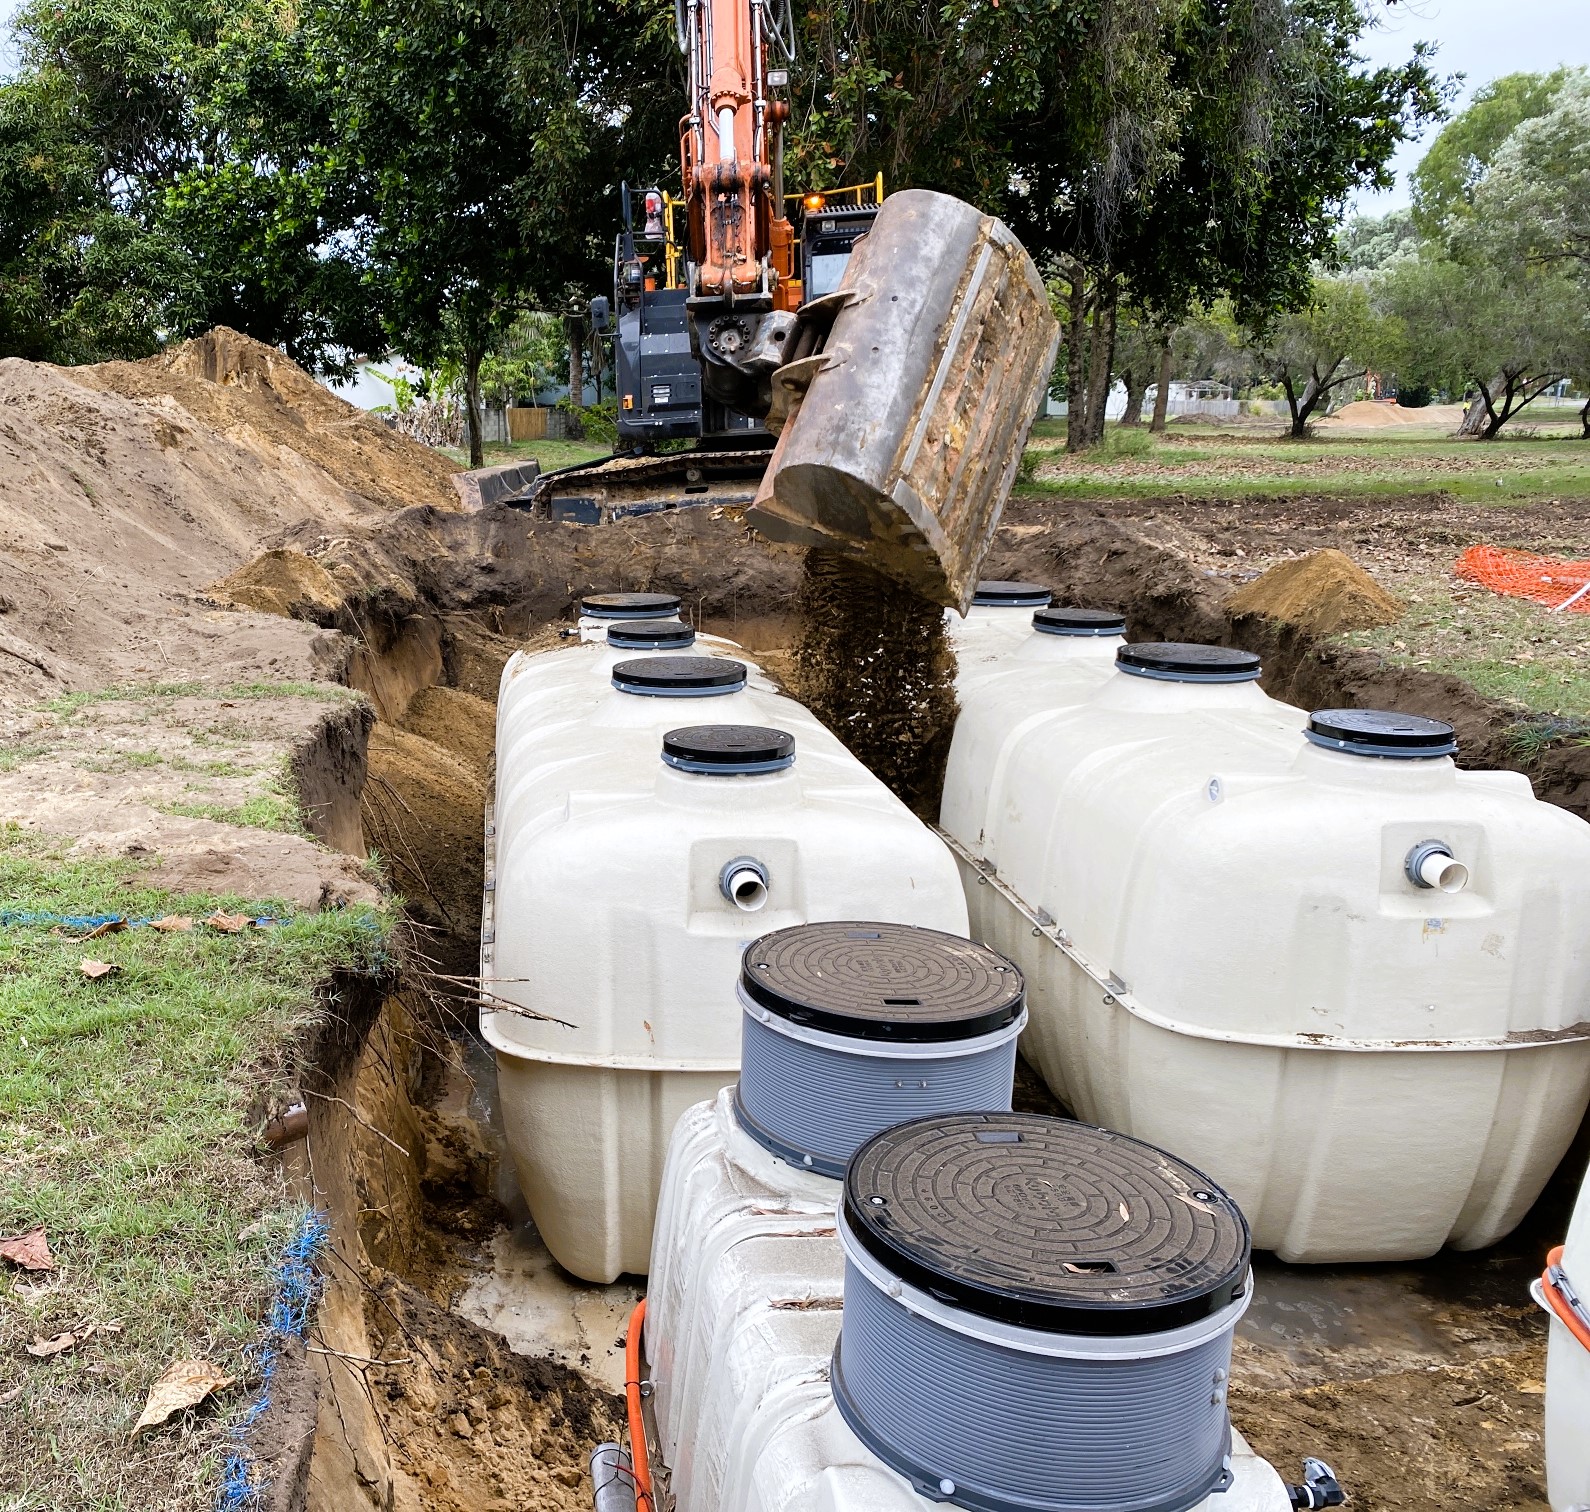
{"type": "Point", "coordinates": [1079, 622]}
{"type": "Point", "coordinates": [1380, 732]}
{"type": "Point", "coordinates": [728, 750]}
{"type": "Point", "coordinates": [650, 634]}
{"type": "Point", "coordinates": [1046, 1223]}
{"type": "Point", "coordinates": [629, 605]}
{"type": "Point", "coordinates": [998, 593]}
{"type": "Point", "coordinates": [1184, 661]}
{"type": "Point", "coordinates": [680, 675]}
{"type": "Point", "coordinates": [882, 982]}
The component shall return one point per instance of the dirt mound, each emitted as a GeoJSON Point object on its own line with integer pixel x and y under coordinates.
{"type": "Point", "coordinates": [875, 665]}
{"type": "Point", "coordinates": [458, 722]}
{"type": "Point", "coordinates": [241, 388]}
{"type": "Point", "coordinates": [128, 486]}
{"type": "Point", "coordinates": [1374, 414]}
{"type": "Point", "coordinates": [1324, 593]}
{"type": "Point", "coordinates": [422, 814]}
{"type": "Point", "coordinates": [282, 582]}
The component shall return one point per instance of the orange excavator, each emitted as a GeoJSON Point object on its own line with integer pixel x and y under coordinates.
{"type": "Point", "coordinates": [741, 267]}
{"type": "Point", "coordinates": [900, 389]}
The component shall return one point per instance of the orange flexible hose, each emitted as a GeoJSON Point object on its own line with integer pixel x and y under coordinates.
{"type": "Point", "coordinates": [1559, 1303]}
{"type": "Point", "coordinates": [640, 1461]}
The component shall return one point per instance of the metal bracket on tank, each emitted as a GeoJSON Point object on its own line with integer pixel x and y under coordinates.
{"type": "Point", "coordinates": [488, 907]}
{"type": "Point", "coordinates": [1116, 991]}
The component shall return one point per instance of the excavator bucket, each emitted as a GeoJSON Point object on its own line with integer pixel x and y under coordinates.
{"type": "Point", "coordinates": [908, 395]}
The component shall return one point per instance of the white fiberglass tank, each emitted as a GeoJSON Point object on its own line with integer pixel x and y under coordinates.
{"type": "Point", "coordinates": [1347, 979]}
{"type": "Point", "coordinates": [627, 864]}
{"type": "Point", "coordinates": [1564, 1291]}
{"type": "Point", "coordinates": [1066, 654]}
{"type": "Point", "coordinates": [997, 619]}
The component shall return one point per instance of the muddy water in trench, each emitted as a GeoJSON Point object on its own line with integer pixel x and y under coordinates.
{"type": "Point", "coordinates": [1420, 1383]}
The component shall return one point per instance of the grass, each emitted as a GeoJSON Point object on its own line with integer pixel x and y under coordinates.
{"type": "Point", "coordinates": [122, 1132]}
{"type": "Point", "coordinates": [1507, 648]}
{"type": "Point", "coordinates": [68, 704]}
{"type": "Point", "coordinates": [266, 811]}
{"type": "Point", "coordinates": [1204, 462]}
{"type": "Point", "coordinates": [550, 454]}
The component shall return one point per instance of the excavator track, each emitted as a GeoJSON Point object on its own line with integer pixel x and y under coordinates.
{"type": "Point", "coordinates": [622, 487]}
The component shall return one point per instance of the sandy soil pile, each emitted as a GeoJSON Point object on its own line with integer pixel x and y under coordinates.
{"type": "Point", "coordinates": [1324, 593]}
{"type": "Point", "coordinates": [126, 487]}
{"type": "Point", "coordinates": [1374, 414]}
{"type": "Point", "coordinates": [285, 583]}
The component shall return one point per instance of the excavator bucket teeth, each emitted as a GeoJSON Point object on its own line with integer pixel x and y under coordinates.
{"type": "Point", "coordinates": [900, 445]}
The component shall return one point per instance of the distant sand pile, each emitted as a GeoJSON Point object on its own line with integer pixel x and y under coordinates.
{"type": "Point", "coordinates": [1324, 593]}
{"type": "Point", "coordinates": [1373, 414]}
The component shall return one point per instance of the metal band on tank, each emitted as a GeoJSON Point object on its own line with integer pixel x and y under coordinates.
{"type": "Point", "coordinates": [938, 1404]}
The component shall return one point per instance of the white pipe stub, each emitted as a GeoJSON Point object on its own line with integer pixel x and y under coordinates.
{"type": "Point", "coordinates": [743, 881]}
{"type": "Point", "coordinates": [1431, 864]}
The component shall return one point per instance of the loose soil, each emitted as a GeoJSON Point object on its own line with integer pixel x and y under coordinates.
{"type": "Point", "coordinates": [422, 815]}
{"type": "Point", "coordinates": [874, 664]}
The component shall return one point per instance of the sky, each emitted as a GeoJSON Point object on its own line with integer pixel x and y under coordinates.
{"type": "Point", "coordinates": [1482, 39]}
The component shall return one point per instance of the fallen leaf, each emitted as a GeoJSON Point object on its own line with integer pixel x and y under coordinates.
{"type": "Point", "coordinates": [42, 1348]}
{"type": "Point", "coordinates": [8, 1397]}
{"type": "Point", "coordinates": [228, 923]}
{"type": "Point", "coordinates": [172, 923]}
{"type": "Point", "coordinates": [110, 926]}
{"type": "Point", "coordinates": [29, 1250]}
{"type": "Point", "coordinates": [185, 1384]}
{"type": "Point", "coordinates": [94, 970]}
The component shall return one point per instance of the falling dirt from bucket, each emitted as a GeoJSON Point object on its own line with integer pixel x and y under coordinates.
{"type": "Point", "coordinates": [875, 665]}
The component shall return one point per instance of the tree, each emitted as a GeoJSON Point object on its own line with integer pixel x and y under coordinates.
{"type": "Point", "coordinates": [1139, 346]}
{"type": "Point", "coordinates": [1534, 202]}
{"type": "Point", "coordinates": [1275, 123]}
{"type": "Point", "coordinates": [83, 275]}
{"type": "Point", "coordinates": [1368, 243]}
{"type": "Point", "coordinates": [1336, 339]}
{"type": "Point", "coordinates": [1447, 176]}
{"type": "Point", "coordinates": [1507, 332]}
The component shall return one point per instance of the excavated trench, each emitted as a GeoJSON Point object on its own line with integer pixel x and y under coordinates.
{"type": "Point", "coordinates": [453, 1365]}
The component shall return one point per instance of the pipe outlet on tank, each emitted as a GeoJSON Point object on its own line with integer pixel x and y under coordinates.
{"type": "Point", "coordinates": [743, 881]}
{"type": "Point", "coordinates": [1431, 864]}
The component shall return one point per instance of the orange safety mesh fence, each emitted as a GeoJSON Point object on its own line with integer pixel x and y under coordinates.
{"type": "Point", "coordinates": [1557, 581]}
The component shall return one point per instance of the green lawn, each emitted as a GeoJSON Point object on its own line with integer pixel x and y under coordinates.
{"type": "Point", "coordinates": [122, 1131]}
{"type": "Point", "coordinates": [550, 454]}
{"type": "Point", "coordinates": [1206, 462]}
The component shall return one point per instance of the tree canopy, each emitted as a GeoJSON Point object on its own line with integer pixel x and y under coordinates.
{"type": "Point", "coordinates": [337, 175]}
{"type": "Point", "coordinates": [1451, 169]}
